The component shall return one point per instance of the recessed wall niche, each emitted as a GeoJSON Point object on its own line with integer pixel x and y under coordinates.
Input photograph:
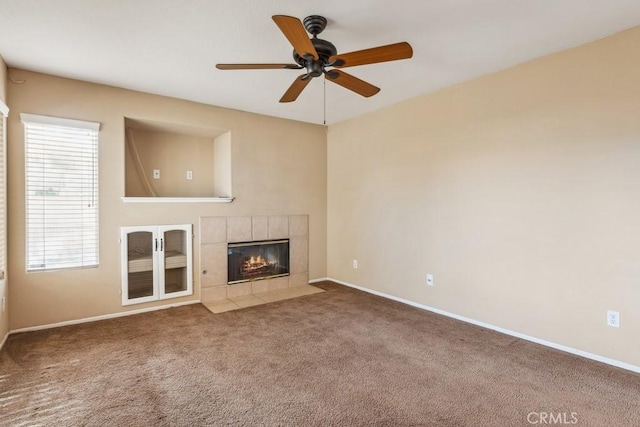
{"type": "Point", "coordinates": [176, 161]}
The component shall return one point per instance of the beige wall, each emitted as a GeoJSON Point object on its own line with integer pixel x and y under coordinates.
{"type": "Point", "coordinates": [275, 172]}
{"type": "Point", "coordinates": [519, 191]}
{"type": "Point", "coordinates": [173, 155]}
{"type": "Point", "coordinates": [4, 317]}
{"type": "Point", "coordinates": [222, 186]}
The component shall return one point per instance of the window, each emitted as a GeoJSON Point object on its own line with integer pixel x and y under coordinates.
{"type": "Point", "coordinates": [61, 184]}
{"type": "Point", "coordinates": [4, 111]}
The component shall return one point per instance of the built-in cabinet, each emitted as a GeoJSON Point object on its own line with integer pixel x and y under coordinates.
{"type": "Point", "coordinates": [157, 262]}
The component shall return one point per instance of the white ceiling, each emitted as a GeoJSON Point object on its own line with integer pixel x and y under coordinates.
{"type": "Point", "coordinates": [170, 47]}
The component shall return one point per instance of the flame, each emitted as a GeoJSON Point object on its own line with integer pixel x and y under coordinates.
{"type": "Point", "coordinates": [254, 263]}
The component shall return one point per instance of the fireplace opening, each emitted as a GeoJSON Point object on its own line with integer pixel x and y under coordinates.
{"type": "Point", "coordinates": [257, 260]}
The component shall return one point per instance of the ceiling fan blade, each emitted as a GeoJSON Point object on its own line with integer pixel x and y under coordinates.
{"type": "Point", "coordinates": [296, 88]}
{"type": "Point", "coordinates": [257, 66]}
{"type": "Point", "coordinates": [391, 52]}
{"type": "Point", "coordinates": [294, 31]}
{"type": "Point", "coordinates": [352, 83]}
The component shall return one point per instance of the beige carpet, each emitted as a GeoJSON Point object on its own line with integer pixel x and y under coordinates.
{"type": "Point", "coordinates": [341, 357]}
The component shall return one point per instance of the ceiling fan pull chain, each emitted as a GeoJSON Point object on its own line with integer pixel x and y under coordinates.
{"type": "Point", "coordinates": [324, 97]}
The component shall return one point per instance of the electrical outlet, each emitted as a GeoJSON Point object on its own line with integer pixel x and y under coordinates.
{"type": "Point", "coordinates": [355, 263]}
{"type": "Point", "coordinates": [429, 279]}
{"type": "Point", "coordinates": [189, 175]}
{"type": "Point", "coordinates": [156, 174]}
{"type": "Point", "coordinates": [613, 318]}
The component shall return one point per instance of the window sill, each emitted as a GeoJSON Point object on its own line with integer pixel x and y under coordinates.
{"type": "Point", "coordinates": [178, 199]}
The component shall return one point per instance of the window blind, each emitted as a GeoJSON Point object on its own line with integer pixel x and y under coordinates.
{"type": "Point", "coordinates": [61, 183]}
{"type": "Point", "coordinates": [3, 190]}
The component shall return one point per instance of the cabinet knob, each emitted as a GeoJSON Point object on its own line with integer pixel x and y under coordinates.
{"type": "Point", "coordinates": [204, 271]}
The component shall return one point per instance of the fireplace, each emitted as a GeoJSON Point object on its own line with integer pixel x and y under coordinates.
{"type": "Point", "coordinates": [257, 260]}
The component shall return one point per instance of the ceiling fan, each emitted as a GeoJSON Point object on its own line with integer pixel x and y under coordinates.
{"type": "Point", "coordinates": [315, 55]}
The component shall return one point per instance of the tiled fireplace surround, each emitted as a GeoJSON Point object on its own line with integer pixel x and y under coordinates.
{"type": "Point", "coordinates": [217, 231]}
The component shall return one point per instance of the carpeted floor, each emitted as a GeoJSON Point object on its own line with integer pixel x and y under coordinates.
{"type": "Point", "coordinates": [339, 358]}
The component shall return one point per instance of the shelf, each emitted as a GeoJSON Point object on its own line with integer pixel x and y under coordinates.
{"type": "Point", "coordinates": [144, 262]}
{"type": "Point", "coordinates": [174, 259]}
{"type": "Point", "coordinates": [178, 199]}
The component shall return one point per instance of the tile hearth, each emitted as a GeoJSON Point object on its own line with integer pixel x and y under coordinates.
{"type": "Point", "coordinates": [244, 301]}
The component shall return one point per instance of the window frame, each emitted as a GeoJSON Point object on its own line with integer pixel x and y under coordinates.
{"type": "Point", "coordinates": [4, 113]}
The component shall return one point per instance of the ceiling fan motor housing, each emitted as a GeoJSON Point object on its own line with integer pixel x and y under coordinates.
{"type": "Point", "coordinates": [314, 25]}
{"type": "Point", "coordinates": [325, 51]}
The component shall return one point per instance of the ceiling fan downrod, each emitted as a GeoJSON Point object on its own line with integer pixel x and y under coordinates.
{"type": "Point", "coordinates": [315, 24]}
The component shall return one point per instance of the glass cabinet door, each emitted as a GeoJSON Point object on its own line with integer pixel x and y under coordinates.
{"type": "Point", "coordinates": [139, 274]}
{"type": "Point", "coordinates": [176, 261]}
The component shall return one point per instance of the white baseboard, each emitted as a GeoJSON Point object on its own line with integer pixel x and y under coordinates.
{"type": "Point", "coordinates": [322, 279]}
{"type": "Point", "coordinates": [546, 343]}
{"type": "Point", "coordinates": [4, 340]}
{"type": "Point", "coordinates": [96, 318]}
